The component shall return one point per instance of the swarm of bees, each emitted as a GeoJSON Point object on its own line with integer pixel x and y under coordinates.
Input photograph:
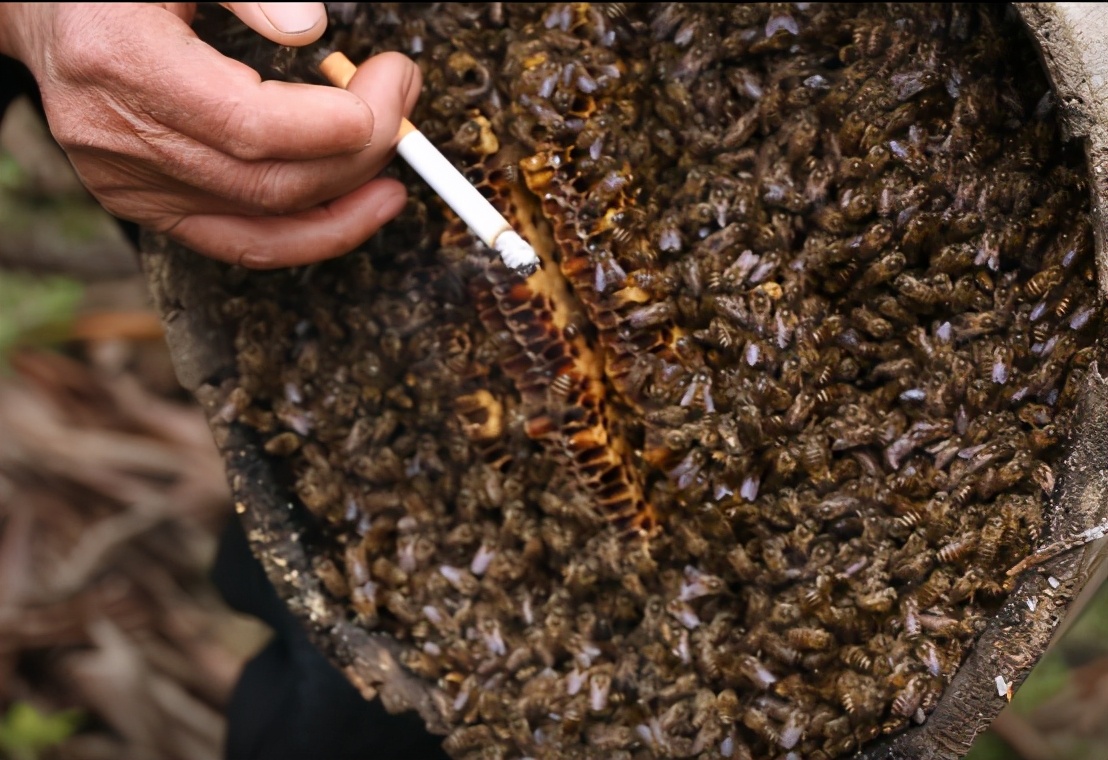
{"type": "Point", "coordinates": [741, 474]}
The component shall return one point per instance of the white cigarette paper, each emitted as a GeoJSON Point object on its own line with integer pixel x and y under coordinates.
{"type": "Point", "coordinates": [474, 209]}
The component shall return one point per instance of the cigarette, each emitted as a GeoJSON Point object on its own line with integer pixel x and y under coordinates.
{"type": "Point", "coordinates": [473, 208]}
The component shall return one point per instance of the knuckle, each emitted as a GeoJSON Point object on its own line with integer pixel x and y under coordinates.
{"type": "Point", "coordinates": [218, 242]}
{"type": "Point", "coordinates": [239, 133]}
{"type": "Point", "coordinates": [164, 224]}
{"type": "Point", "coordinates": [271, 193]}
{"type": "Point", "coordinates": [72, 134]}
{"type": "Point", "coordinates": [413, 82]}
{"type": "Point", "coordinates": [85, 56]}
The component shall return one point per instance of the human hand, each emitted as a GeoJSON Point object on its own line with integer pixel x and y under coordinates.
{"type": "Point", "coordinates": [166, 132]}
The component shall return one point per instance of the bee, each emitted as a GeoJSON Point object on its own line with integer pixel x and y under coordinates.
{"type": "Point", "coordinates": [283, 444]}
{"type": "Point", "coordinates": [785, 613]}
{"type": "Point", "coordinates": [858, 694]}
{"type": "Point", "coordinates": [780, 650]}
{"type": "Point", "coordinates": [742, 564]}
{"type": "Point", "coordinates": [931, 590]}
{"type": "Point", "coordinates": [954, 552]}
{"type": "Point", "coordinates": [519, 660]}
{"type": "Point", "coordinates": [818, 595]}
{"type": "Point", "coordinates": [857, 206]}
{"type": "Point", "coordinates": [908, 699]}
{"type": "Point", "coordinates": [992, 534]}
{"type": "Point", "coordinates": [421, 663]}
{"type": "Point", "coordinates": [461, 579]}
{"type": "Point", "coordinates": [890, 308]}
{"type": "Point", "coordinates": [752, 670]}
{"type": "Point", "coordinates": [610, 738]}
{"type": "Point", "coordinates": [600, 696]}
{"type": "Point", "coordinates": [1039, 284]}
{"type": "Point", "coordinates": [965, 587]}
{"type": "Point", "coordinates": [336, 583]}
{"type": "Point", "coordinates": [761, 724]}
{"type": "Point", "coordinates": [879, 602]}
{"type": "Point", "coordinates": [913, 567]}
{"type": "Point", "coordinates": [857, 657]}
{"type": "Point", "coordinates": [872, 324]}
{"type": "Point", "coordinates": [468, 738]}
{"type": "Point", "coordinates": [840, 746]}
{"type": "Point", "coordinates": [910, 618]}
{"type": "Point", "coordinates": [922, 292]}
{"type": "Point", "coordinates": [815, 639]}
{"type": "Point", "coordinates": [928, 653]}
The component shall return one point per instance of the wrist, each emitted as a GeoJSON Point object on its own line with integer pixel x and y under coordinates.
{"type": "Point", "coordinates": [21, 27]}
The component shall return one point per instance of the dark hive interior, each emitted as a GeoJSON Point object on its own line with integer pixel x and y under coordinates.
{"type": "Point", "coordinates": [741, 470]}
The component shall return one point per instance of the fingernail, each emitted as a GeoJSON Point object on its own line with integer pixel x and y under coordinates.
{"type": "Point", "coordinates": [291, 18]}
{"type": "Point", "coordinates": [391, 205]}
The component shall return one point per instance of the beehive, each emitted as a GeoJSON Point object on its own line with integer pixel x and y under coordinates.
{"type": "Point", "coordinates": [742, 471]}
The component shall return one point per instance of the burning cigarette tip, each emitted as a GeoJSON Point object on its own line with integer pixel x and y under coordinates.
{"type": "Point", "coordinates": [516, 253]}
{"type": "Point", "coordinates": [451, 185]}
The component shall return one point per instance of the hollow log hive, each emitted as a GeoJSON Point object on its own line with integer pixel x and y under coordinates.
{"type": "Point", "coordinates": [740, 471]}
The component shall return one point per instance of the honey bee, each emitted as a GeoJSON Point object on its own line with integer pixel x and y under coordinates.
{"type": "Point", "coordinates": [910, 618]}
{"type": "Point", "coordinates": [840, 746]}
{"type": "Point", "coordinates": [752, 670]}
{"type": "Point", "coordinates": [880, 601]}
{"type": "Point", "coordinates": [761, 724]}
{"type": "Point", "coordinates": [857, 658]}
{"type": "Point", "coordinates": [779, 650]}
{"type": "Point", "coordinates": [742, 563]}
{"type": "Point", "coordinates": [468, 738]}
{"type": "Point", "coordinates": [913, 567]}
{"type": "Point", "coordinates": [1040, 283]}
{"type": "Point", "coordinates": [858, 694]}
{"type": "Point", "coordinates": [421, 663]}
{"type": "Point", "coordinates": [931, 590]}
{"type": "Point", "coordinates": [610, 738]}
{"type": "Point", "coordinates": [956, 551]}
{"type": "Point", "coordinates": [992, 534]}
{"type": "Point", "coordinates": [908, 699]}
{"type": "Point", "coordinates": [815, 639]}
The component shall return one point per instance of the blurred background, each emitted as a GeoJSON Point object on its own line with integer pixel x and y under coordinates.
{"type": "Point", "coordinates": [113, 642]}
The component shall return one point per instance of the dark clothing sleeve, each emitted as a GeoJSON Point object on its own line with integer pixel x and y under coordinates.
{"type": "Point", "coordinates": [290, 703]}
{"type": "Point", "coordinates": [15, 80]}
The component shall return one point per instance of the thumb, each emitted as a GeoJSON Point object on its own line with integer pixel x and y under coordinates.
{"type": "Point", "coordinates": [293, 24]}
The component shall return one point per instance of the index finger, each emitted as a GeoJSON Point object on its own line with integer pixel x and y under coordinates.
{"type": "Point", "coordinates": [390, 83]}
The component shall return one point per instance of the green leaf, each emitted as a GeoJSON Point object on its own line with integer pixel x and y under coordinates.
{"type": "Point", "coordinates": [11, 174]}
{"type": "Point", "coordinates": [25, 732]}
{"type": "Point", "coordinates": [35, 310]}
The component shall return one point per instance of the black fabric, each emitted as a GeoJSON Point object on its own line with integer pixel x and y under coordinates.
{"type": "Point", "coordinates": [15, 80]}
{"type": "Point", "coordinates": [290, 703]}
